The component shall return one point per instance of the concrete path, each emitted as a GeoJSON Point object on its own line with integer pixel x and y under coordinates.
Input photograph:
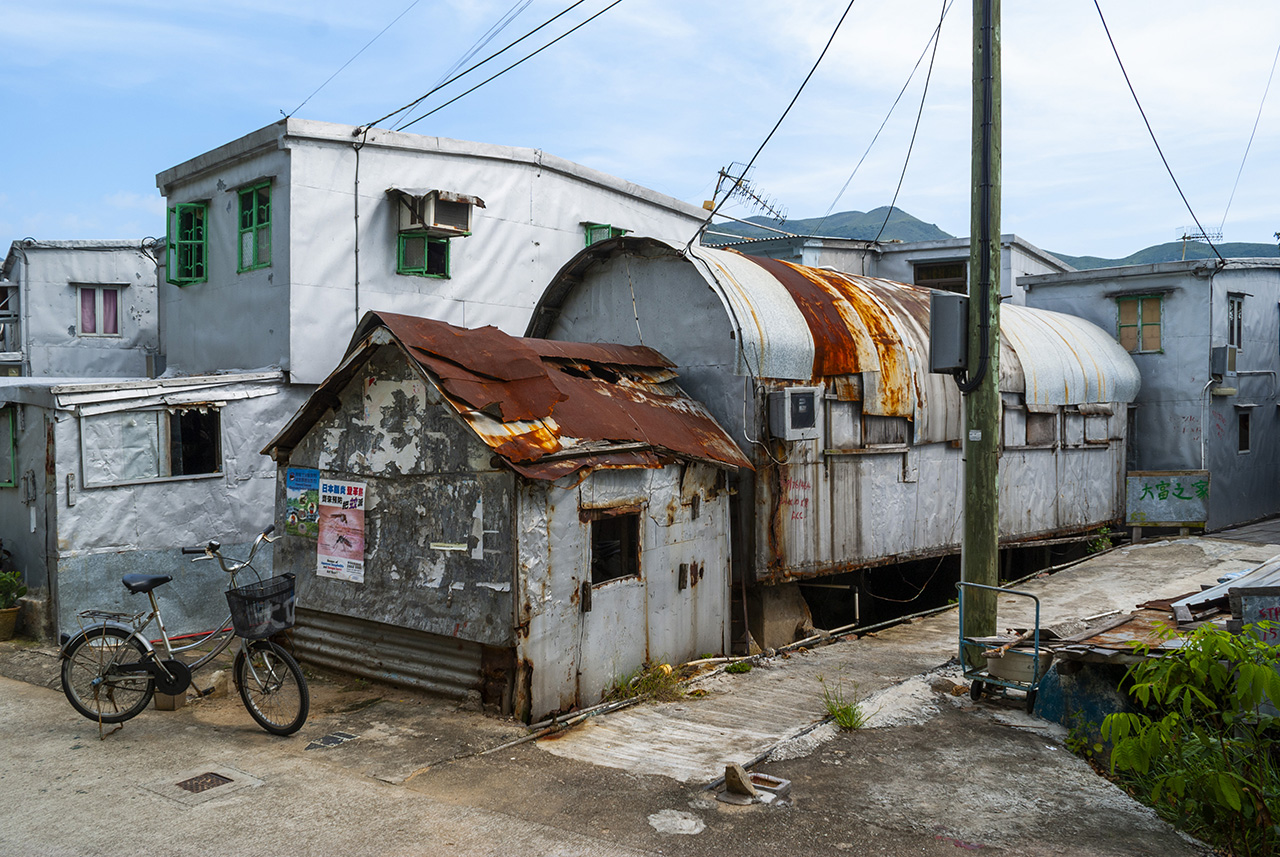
{"type": "Point", "coordinates": [742, 716]}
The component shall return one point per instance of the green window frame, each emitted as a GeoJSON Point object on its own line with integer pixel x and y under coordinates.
{"type": "Point", "coordinates": [422, 254]}
{"type": "Point", "coordinates": [597, 232]}
{"type": "Point", "coordinates": [187, 239]}
{"type": "Point", "coordinates": [255, 227]}
{"type": "Point", "coordinates": [8, 446]}
{"type": "Point", "coordinates": [1138, 327]}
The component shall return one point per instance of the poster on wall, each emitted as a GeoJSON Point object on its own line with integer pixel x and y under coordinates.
{"type": "Point", "coordinates": [302, 502]}
{"type": "Point", "coordinates": [340, 545]}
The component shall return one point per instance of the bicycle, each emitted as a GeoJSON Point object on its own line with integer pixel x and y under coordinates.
{"type": "Point", "coordinates": [110, 670]}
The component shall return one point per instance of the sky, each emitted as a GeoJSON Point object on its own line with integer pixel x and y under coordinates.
{"type": "Point", "coordinates": [100, 96]}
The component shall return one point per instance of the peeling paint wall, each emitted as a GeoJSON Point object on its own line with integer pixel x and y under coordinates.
{"type": "Point", "coordinates": [439, 546]}
{"type": "Point", "coordinates": [675, 609]}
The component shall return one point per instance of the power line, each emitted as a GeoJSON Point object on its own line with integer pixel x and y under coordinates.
{"type": "Point", "coordinates": [438, 87]}
{"type": "Point", "coordinates": [776, 126]}
{"type": "Point", "coordinates": [513, 65]}
{"type": "Point", "coordinates": [353, 59]}
{"type": "Point", "coordinates": [919, 113]}
{"type": "Point", "coordinates": [888, 115]}
{"type": "Point", "coordinates": [1256, 120]}
{"type": "Point", "coordinates": [1168, 169]}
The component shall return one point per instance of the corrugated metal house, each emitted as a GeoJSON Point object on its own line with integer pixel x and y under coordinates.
{"type": "Point", "coordinates": [824, 377]}
{"type": "Point", "coordinates": [76, 309]}
{"type": "Point", "coordinates": [1194, 414]}
{"type": "Point", "coordinates": [525, 518]}
{"type": "Point", "coordinates": [102, 478]}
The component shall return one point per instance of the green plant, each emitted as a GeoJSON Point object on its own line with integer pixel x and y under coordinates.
{"type": "Point", "coordinates": [1204, 752]}
{"type": "Point", "coordinates": [658, 682]}
{"type": "Point", "coordinates": [738, 667]}
{"type": "Point", "coordinates": [11, 589]}
{"type": "Point", "coordinates": [1101, 543]}
{"type": "Point", "coordinates": [845, 710]}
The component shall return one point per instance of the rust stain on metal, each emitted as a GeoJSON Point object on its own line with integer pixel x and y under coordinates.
{"type": "Point", "coordinates": [1143, 627]}
{"type": "Point", "coordinates": [549, 409]}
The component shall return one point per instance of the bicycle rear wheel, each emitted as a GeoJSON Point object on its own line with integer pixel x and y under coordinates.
{"type": "Point", "coordinates": [94, 685]}
{"type": "Point", "coordinates": [272, 687]}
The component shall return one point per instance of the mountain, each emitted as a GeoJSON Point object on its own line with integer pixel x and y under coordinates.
{"type": "Point", "coordinates": [1173, 252]}
{"type": "Point", "coordinates": [847, 224]}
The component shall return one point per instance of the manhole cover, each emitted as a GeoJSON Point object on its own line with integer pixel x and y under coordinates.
{"type": "Point", "coordinates": [204, 782]}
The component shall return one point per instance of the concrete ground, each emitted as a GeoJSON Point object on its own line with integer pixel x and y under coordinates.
{"type": "Point", "coordinates": [381, 771]}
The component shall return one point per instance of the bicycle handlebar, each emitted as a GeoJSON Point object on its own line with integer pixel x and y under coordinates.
{"type": "Point", "coordinates": [213, 550]}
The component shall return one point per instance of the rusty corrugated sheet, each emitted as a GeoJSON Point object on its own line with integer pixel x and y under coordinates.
{"type": "Point", "coordinates": [586, 405]}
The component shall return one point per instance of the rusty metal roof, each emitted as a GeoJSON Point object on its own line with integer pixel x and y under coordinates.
{"type": "Point", "coordinates": [548, 408]}
{"type": "Point", "coordinates": [809, 325]}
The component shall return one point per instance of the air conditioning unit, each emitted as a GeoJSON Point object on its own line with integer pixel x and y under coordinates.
{"type": "Point", "coordinates": [793, 413]}
{"type": "Point", "coordinates": [1222, 362]}
{"type": "Point", "coordinates": [438, 212]}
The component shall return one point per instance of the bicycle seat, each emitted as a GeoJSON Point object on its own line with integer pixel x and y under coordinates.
{"type": "Point", "coordinates": [136, 583]}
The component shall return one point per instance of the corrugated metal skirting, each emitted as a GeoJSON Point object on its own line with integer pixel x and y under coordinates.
{"type": "Point", "coordinates": [400, 656]}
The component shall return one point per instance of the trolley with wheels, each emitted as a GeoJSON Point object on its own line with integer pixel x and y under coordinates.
{"type": "Point", "coordinates": [1003, 663]}
{"type": "Point", "coordinates": [111, 670]}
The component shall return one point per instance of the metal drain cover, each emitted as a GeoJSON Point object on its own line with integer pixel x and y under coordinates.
{"type": "Point", "coordinates": [204, 782]}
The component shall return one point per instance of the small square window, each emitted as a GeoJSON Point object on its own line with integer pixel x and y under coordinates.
{"type": "Point", "coordinates": [187, 244]}
{"type": "Point", "coordinates": [597, 232]}
{"type": "Point", "coordinates": [615, 546]}
{"type": "Point", "coordinates": [99, 311]}
{"type": "Point", "coordinates": [255, 227]}
{"type": "Point", "coordinates": [422, 255]}
{"type": "Point", "coordinates": [1138, 329]}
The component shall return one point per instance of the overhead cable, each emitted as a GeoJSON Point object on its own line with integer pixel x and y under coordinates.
{"type": "Point", "coordinates": [919, 113]}
{"type": "Point", "coordinates": [1168, 169]}
{"type": "Point", "coordinates": [513, 65]}
{"type": "Point", "coordinates": [776, 126]}
{"type": "Point", "coordinates": [353, 58]}
{"type": "Point", "coordinates": [894, 106]}
{"type": "Point", "coordinates": [1257, 119]}
{"type": "Point", "coordinates": [465, 72]}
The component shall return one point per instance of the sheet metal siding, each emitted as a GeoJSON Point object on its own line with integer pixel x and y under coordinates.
{"type": "Point", "coordinates": [115, 530]}
{"type": "Point", "coordinates": [439, 547]}
{"type": "Point", "coordinates": [387, 653]}
{"type": "Point", "coordinates": [574, 656]}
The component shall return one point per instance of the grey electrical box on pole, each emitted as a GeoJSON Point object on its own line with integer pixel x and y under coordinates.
{"type": "Point", "coordinates": [948, 333]}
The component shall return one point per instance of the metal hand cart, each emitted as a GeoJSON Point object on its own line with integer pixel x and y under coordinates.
{"type": "Point", "coordinates": [1020, 668]}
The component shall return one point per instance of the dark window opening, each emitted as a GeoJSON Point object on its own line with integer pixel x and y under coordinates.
{"type": "Point", "coordinates": [1242, 431]}
{"type": "Point", "coordinates": [948, 276]}
{"type": "Point", "coordinates": [423, 255]}
{"type": "Point", "coordinates": [194, 441]}
{"type": "Point", "coordinates": [1042, 429]}
{"type": "Point", "coordinates": [615, 547]}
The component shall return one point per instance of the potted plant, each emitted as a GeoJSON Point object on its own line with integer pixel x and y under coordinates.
{"type": "Point", "coordinates": [11, 589]}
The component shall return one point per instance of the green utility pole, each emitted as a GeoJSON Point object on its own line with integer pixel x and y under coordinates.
{"type": "Point", "coordinates": [981, 549]}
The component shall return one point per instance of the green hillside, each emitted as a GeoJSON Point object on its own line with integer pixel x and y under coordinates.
{"type": "Point", "coordinates": [847, 224]}
{"type": "Point", "coordinates": [1172, 252]}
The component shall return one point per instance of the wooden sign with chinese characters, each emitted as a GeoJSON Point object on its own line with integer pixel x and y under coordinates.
{"type": "Point", "coordinates": [1167, 498]}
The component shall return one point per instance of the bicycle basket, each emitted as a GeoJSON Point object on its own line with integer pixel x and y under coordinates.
{"type": "Point", "coordinates": [262, 609]}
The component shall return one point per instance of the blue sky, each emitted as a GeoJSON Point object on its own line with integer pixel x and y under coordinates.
{"type": "Point", "coordinates": [101, 96]}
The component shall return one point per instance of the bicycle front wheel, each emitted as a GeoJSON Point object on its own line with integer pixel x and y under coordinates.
{"type": "Point", "coordinates": [272, 687]}
{"type": "Point", "coordinates": [93, 682]}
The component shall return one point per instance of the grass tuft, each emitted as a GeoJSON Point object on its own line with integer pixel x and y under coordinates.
{"type": "Point", "coordinates": [844, 709]}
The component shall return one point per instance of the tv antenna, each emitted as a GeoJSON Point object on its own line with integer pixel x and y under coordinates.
{"type": "Point", "coordinates": [743, 188]}
{"type": "Point", "coordinates": [1195, 233]}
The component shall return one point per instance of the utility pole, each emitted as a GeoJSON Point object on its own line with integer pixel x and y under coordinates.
{"type": "Point", "coordinates": [981, 390]}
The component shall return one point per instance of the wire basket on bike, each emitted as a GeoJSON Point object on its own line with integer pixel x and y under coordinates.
{"type": "Point", "coordinates": [262, 609]}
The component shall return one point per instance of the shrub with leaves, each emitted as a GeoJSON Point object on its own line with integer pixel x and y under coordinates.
{"type": "Point", "coordinates": [1205, 751]}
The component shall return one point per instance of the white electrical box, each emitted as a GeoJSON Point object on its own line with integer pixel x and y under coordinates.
{"type": "Point", "coordinates": [793, 413]}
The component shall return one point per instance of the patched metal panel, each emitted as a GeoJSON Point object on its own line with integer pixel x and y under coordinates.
{"type": "Point", "coordinates": [387, 653]}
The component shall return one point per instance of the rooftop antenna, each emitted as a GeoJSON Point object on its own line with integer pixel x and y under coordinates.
{"type": "Point", "coordinates": [743, 188]}
{"type": "Point", "coordinates": [1195, 233]}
